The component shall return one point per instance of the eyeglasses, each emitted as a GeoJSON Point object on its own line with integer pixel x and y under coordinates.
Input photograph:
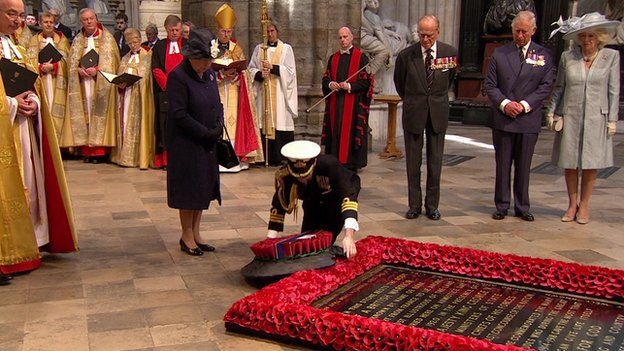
{"type": "Point", "coordinates": [14, 15]}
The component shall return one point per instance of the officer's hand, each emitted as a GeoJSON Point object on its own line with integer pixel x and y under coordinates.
{"type": "Point", "coordinates": [348, 243]}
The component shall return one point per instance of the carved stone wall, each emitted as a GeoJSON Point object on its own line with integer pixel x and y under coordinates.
{"type": "Point", "coordinates": [155, 12]}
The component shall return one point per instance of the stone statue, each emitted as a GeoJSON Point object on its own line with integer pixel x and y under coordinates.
{"type": "Point", "coordinates": [381, 40]}
{"type": "Point", "coordinates": [98, 6]}
{"type": "Point", "coordinates": [502, 12]}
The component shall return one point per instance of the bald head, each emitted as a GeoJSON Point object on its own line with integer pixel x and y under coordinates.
{"type": "Point", "coordinates": [13, 15]}
{"type": "Point", "coordinates": [428, 31]}
{"type": "Point", "coordinates": [345, 37]}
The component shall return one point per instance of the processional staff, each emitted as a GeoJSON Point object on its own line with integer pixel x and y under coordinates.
{"type": "Point", "coordinates": [333, 91]}
{"type": "Point", "coordinates": [266, 92]}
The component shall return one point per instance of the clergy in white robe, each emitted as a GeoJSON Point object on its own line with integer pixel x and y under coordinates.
{"type": "Point", "coordinates": [275, 87]}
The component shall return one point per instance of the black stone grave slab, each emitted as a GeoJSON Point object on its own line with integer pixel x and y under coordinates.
{"type": "Point", "coordinates": [500, 312]}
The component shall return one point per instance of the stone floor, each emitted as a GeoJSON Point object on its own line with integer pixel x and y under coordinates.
{"type": "Point", "coordinates": [130, 287]}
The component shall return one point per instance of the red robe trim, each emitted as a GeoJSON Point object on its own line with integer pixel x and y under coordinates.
{"type": "Point", "coordinates": [59, 228]}
{"type": "Point", "coordinates": [246, 140]}
{"type": "Point", "coordinates": [171, 61]}
{"type": "Point", "coordinates": [349, 103]}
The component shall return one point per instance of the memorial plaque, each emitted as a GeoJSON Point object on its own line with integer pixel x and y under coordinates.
{"type": "Point", "coordinates": [502, 313]}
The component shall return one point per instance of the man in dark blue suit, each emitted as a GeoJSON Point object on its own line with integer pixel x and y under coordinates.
{"type": "Point", "coordinates": [520, 77]}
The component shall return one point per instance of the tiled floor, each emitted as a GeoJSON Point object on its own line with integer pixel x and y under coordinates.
{"type": "Point", "coordinates": [131, 288]}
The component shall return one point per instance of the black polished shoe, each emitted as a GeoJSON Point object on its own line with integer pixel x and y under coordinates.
{"type": "Point", "coordinates": [86, 160]}
{"type": "Point", "coordinates": [193, 252]}
{"type": "Point", "coordinates": [434, 215]}
{"type": "Point", "coordinates": [526, 216]}
{"type": "Point", "coordinates": [498, 215]}
{"type": "Point", "coordinates": [5, 279]}
{"type": "Point", "coordinates": [205, 247]}
{"type": "Point", "coordinates": [412, 214]}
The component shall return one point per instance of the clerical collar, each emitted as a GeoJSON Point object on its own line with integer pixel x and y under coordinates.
{"type": "Point", "coordinates": [346, 51]}
{"type": "Point", "coordinates": [273, 44]}
{"type": "Point", "coordinates": [56, 25]}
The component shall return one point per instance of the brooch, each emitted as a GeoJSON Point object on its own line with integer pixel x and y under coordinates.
{"type": "Point", "coordinates": [444, 62]}
{"type": "Point", "coordinates": [535, 59]}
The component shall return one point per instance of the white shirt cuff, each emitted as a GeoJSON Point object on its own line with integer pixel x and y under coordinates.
{"type": "Point", "coordinates": [503, 104]}
{"type": "Point", "coordinates": [351, 223]}
{"type": "Point", "coordinates": [527, 107]}
{"type": "Point", "coordinates": [273, 234]}
{"type": "Point", "coordinates": [349, 90]}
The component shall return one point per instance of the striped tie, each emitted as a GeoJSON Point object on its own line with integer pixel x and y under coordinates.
{"type": "Point", "coordinates": [428, 70]}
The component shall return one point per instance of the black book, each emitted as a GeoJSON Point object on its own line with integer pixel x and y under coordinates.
{"type": "Point", "coordinates": [16, 79]}
{"type": "Point", "coordinates": [49, 54]}
{"type": "Point", "coordinates": [90, 59]}
{"type": "Point", "coordinates": [127, 78]}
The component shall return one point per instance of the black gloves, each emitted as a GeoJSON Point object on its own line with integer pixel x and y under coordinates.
{"type": "Point", "coordinates": [213, 134]}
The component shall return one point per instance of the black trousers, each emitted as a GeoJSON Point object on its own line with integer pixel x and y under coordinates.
{"type": "Point", "coordinates": [517, 149]}
{"type": "Point", "coordinates": [273, 153]}
{"type": "Point", "coordinates": [413, 157]}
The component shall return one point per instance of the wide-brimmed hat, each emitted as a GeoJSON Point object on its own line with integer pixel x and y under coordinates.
{"type": "Point", "coordinates": [301, 156]}
{"type": "Point", "coordinates": [198, 45]}
{"type": "Point", "coordinates": [588, 22]}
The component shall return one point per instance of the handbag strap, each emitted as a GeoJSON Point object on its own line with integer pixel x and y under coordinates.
{"type": "Point", "coordinates": [225, 129]}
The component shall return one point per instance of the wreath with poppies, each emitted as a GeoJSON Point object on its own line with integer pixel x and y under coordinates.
{"type": "Point", "coordinates": [283, 310]}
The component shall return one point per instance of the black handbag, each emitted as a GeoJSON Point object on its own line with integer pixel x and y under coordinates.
{"type": "Point", "coordinates": [226, 156]}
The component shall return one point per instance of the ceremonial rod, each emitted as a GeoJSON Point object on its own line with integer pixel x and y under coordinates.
{"type": "Point", "coordinates": [266, 98]}
{"type": "Point", "coordinates": [333, 91]}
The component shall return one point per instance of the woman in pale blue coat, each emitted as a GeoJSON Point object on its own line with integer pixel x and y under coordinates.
{"type": "Point", "coordinates": [584, 108]}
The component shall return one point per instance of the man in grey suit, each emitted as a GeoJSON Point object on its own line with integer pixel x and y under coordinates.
{"type": "Point", "coordinates": [520, 76]}
{"type": "Point", "coordinates": [422, 76]}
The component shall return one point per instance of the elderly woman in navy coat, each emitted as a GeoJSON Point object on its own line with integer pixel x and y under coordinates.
{"type": "Point", "coordinates": [194, 124]}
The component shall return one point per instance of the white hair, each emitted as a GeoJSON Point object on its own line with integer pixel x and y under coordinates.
{"type": "Point", "coordinates": [525, 16]}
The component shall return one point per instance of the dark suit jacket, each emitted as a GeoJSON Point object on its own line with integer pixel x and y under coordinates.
{"type": "Point", "coordinates": [411, 84]}
{"type": "Point", "coordinates": [124, 48]}
{"type": "Point", "coordinates": [508, 78]}
{"type": "Point", "coordinates": [67, 32]}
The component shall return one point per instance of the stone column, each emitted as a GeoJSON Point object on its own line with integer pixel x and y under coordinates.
{"type": "Point", "coordinates": [155, 12]}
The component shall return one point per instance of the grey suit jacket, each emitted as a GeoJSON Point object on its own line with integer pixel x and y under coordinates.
{"type": "Point", "coordinates": [411, 84]}
{"type": "Point", "coordinates": [509, 78]}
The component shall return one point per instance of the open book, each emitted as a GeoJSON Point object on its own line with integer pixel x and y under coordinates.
{"type": "Point", "coordinates": [227, 64]}
{"type": "Point", "coordinates": [127, 78]}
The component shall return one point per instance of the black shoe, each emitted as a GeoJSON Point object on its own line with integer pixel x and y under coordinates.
{"type": "Point", "coordinates": [526, 216]}
{"type": "Point", "coordinates": [205, 247]}
{"type": "Point", "coordinates": [412, 214]}
{"type": "Point", "coordinates": [5, 279]}
{"type": "Point", "coordinates": [498, 215]}
{"type": "Point", "coordinates": [434, 215]}
{"type": "Point", "coordinates": [86, 160]}
{"type": "Point", "coordinates": [193, 252]}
